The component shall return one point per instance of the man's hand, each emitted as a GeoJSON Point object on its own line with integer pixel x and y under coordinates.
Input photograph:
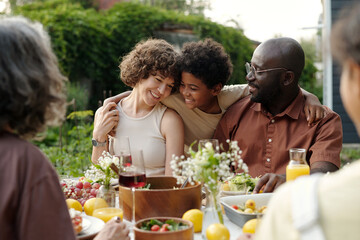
{"type": "Point", "coordinates": [269, 182]}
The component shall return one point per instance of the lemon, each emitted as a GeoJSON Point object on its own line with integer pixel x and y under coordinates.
{"type": "Point", "coordinates": [94, 203]}
{"type": "Point", "coordinates": [196, 217]}
{"type": "Point", "coordinates": [75, 204]}
{"type": "Point", "coordinates": [217, 231]}
{"type": "Point", "coordinates": [250, 226]}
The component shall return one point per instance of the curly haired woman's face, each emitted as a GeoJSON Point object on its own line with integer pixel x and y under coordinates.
{"type": "Point", "coordinates": [195, 93]}
{"type": "Point", "coordinates": [155, 88]}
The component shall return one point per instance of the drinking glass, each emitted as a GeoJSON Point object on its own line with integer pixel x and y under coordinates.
{"type": "Point", "coordinates": [122, 152]}
{"type": "Point", "coordinates": [106, 205]}
{"type": "Point", "coordinates": [122, 148]}
{"type": "Point", "coordinates": [133, 175]}
{"type": "Point", "coordinates": [214, 143]}
{"type": "Point", "coordinates": [297, 165]}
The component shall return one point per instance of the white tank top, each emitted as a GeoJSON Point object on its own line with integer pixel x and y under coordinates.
{"type": "Point", "coordinates": [144, 133]}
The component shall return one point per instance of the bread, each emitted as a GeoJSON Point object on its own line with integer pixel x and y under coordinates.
{"type": "Point", "coordinates": [76, 220]}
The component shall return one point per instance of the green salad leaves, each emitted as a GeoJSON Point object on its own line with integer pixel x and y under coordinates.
{"type": "Point", "coordinates": [243, 182]}
{"type": "Point", "coordinates": [168, 225]}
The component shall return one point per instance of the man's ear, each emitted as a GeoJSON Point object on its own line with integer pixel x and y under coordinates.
{"type": "Point", "coordinates": [216, 89]}
{"type": "Point", "coordinates": [289, 78]}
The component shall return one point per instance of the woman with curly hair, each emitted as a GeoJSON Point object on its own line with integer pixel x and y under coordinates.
{"type": "Point", "coordinates": [32, 204]}
{"type": "Point", "coordinates": [151, 69]}
{"type": "Point", "coordinates": [203, 97]}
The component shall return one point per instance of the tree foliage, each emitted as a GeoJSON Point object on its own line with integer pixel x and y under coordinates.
{"type": "Point", "coordinates": [90, 44]}
{"type": "Point", "coordinates": [191, 7]}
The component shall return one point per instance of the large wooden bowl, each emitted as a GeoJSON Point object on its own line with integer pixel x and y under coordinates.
{"type": "Point", "coordinates": [162, 200]}
{"type": "Point", "coordinates": [184, 234]}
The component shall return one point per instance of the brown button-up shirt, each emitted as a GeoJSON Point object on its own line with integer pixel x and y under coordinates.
{"type": "Point", "coordinates": [265, 140]}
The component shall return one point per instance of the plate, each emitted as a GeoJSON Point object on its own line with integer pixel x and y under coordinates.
{"type": "Point", "coordinates": [91, 226]}
{"type": "Point", "coordinates": [232, 193]}
{"type": "Point", "coordinates": [240, 218]}
{"type": "Point", "coordinates": [86, 223]}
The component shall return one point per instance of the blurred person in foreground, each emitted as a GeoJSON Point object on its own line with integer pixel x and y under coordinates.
{"type": "Point", "coordinates": [272, 120]}
{"type": "Point", "coordinates": [328, 206]}
{"type": "Point", "coordinates": [32, 204]}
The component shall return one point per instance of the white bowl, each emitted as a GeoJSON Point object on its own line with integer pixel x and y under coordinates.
{"type": "Point", "coordinates": [240, 218]}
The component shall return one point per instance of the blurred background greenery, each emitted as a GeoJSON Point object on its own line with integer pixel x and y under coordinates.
{"type": "Point", "coordinates": [90, 42]}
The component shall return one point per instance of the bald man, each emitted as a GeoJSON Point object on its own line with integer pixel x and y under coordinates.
{"type": "Point", "coordinates": [271, 120]}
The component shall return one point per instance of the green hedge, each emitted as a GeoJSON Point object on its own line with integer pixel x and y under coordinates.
{"type": "Point", "coordinates": [90, 44]}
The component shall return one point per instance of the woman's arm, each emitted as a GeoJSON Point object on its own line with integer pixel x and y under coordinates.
{"type": "Point", "coordinates": [106, 119]}
{"type": "Point", "coordinates": [314, 110]}
{"type": "Point", "coordinates": [116, 99]}
{"type": "Point", "coordinates": [172, 128]}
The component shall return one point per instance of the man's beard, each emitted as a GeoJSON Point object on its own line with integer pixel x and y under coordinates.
{"type": "Point", "coordinates": [266, 97]}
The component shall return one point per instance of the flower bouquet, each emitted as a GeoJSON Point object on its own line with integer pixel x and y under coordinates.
{"type": "Point", "coordinates": [209, 167]}
{"type": "Point", "coordinates": [103, 171]}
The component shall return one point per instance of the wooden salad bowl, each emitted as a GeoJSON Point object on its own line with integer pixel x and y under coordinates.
{"type": "Point", "coordinates": [183, 234]}
{"type": "Point", "coordinates": [165, 198]}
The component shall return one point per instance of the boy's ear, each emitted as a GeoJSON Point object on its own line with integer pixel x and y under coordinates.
{"type": "Point", "coordinates": [216, 89]}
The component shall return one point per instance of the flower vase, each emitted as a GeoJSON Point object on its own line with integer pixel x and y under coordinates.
{"type": "Point", "coordinates": [212, 211]}
{"type": "Point", "coordinates": [109, 194]}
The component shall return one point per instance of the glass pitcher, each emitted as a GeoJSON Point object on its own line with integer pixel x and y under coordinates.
{"type": "Point", "coordinates": [297, 165]}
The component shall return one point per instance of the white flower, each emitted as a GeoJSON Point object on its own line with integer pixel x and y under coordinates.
{"type": "Point", "coordinates": [101, 172]}
{"type": "Point", "coordinates": [207, 165]}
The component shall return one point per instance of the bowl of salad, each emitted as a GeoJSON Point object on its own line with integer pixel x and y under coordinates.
{"type": "Point", "coordinates": [164, 228]}
{"type": "Point", "coordinates": [240, 184]}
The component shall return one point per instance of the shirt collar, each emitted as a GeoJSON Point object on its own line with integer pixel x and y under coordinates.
{"type": "Point", "coordinates": [293, 110]}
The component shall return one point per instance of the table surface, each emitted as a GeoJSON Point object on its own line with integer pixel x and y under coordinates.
{"type": "Point", "coordinates": [234, 229]}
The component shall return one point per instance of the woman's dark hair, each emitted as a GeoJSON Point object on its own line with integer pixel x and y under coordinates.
{"type": "Point", "coordinates": [206, 60]}
{"type": "Point", "coordinates": [150, 57]}
{"type": "Point", "coordinates": [345, 36]}
{"type": "Point", "coordinates": [31, 85]}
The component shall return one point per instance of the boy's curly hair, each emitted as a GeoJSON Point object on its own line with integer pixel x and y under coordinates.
{"type": "Point", "coordinates": [150, 57]}
{"type": "Point", "coordinates": [206, 60]}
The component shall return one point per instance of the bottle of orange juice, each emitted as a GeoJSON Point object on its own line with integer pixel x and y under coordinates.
{"type": "Point", "coordinates": [297, 165]}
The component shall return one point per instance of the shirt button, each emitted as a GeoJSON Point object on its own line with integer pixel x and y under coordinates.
{"type": "Point", "coordinates": [270, 140]}
{"type": "Point", "coordinates": [272, 120]}
{"type": "Point", "coordinates": [268, 159]}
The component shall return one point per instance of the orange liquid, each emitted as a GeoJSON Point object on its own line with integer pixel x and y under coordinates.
{"type": "Point", "coordinates": [297, 170]}
{"type": "Point", "coordinates": [106, 214]}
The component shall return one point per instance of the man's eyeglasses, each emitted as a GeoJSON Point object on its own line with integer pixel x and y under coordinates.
{"type": "Point", "coordinates": [252, 70]}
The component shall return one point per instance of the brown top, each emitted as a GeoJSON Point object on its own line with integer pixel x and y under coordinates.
{"type": "Point", "coordinates": [265, 139]}
{"type": "Point", "coordinates": [32, 205]}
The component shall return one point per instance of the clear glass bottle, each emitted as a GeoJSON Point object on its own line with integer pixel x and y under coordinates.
{"type": "Point", "coordinates": [297, 165]}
